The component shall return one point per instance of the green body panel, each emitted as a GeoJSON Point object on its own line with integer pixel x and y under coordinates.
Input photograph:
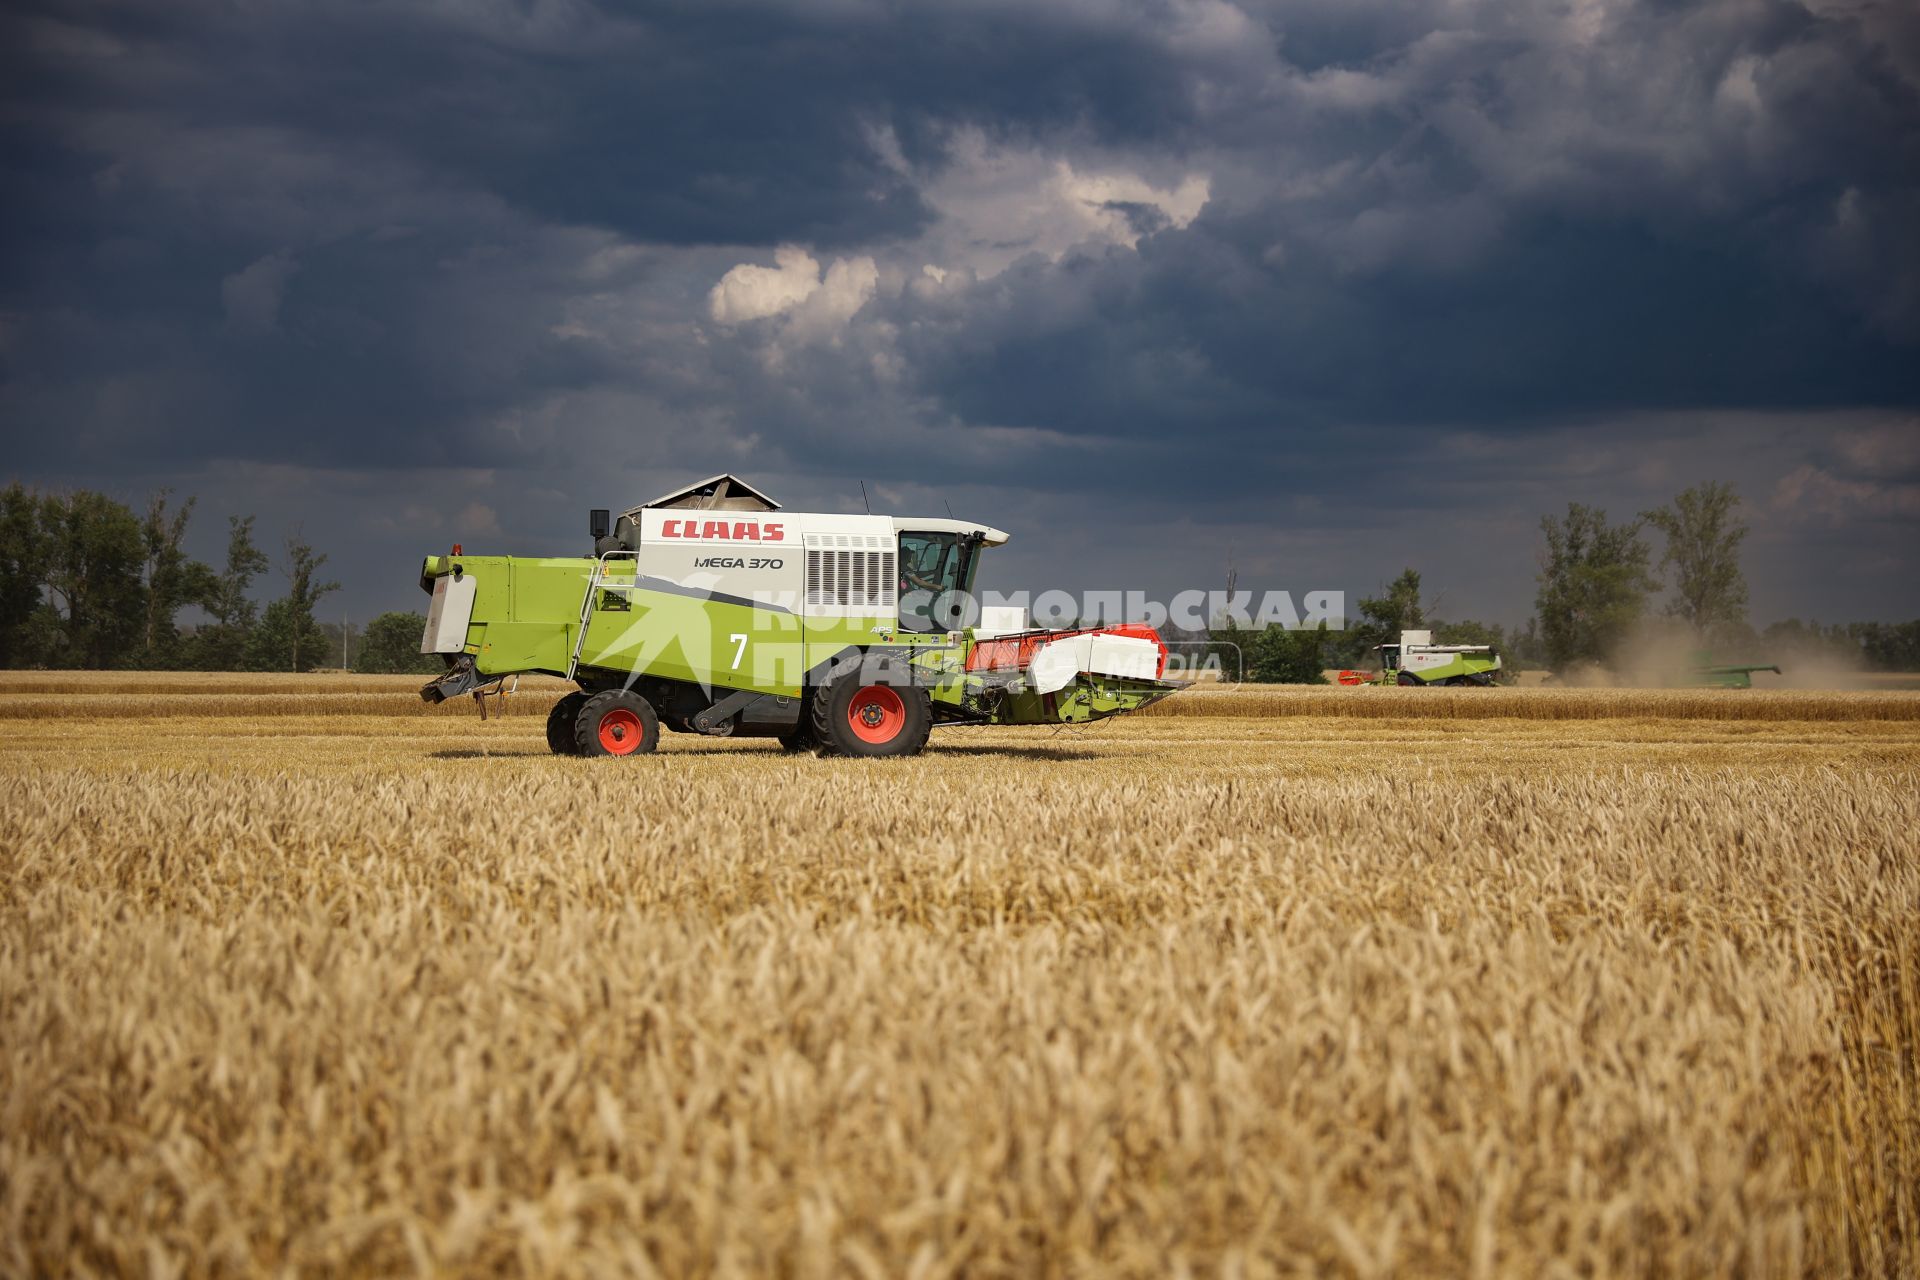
{"type": "Point", "coordinates": [1469, 666]}
{"type": "Point", "coordinates": [525, 611]}
{"type": "Point", "coordinates": [713, 642]}
{"type": "Point", "coordinates": [526, 618]}
{"type": "Point", "coordinates": [1463, 665]}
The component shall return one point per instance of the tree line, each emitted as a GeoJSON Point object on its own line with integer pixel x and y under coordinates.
{"type": "Point", "coordinates": [86, 582]}
{"type": "Point", "coordinates": [1596, 601]}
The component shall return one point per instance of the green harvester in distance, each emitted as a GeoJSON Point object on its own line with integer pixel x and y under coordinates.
{"type": "Point", "coordinates": [712, 611]}
{"type": "Point", "coordinates": [1703, 673]}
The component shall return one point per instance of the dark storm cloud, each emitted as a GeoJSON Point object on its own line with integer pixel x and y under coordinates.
{"type": "Point", "coordinates": [703, 122]}
{"type": "Point", "coordinates": [1554, 319]}
{"type": "Point", "coordinates": [1181, 251]}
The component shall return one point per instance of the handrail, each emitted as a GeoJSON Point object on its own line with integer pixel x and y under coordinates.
{"type": "Point", "coordinates": [586, 605]}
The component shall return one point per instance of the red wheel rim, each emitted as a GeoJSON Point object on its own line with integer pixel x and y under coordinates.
{"type": "Point", "coordinates": [876, 714]}
{"type": "Point", "coordinates": [620, 732]}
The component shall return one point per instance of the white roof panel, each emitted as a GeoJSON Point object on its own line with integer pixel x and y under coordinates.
{"type": "Point", "coordinates": [991, 536]}
{"type": "Point", "coordinates": [724, 492]}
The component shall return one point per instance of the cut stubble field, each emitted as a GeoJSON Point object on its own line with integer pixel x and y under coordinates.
{"type": "Point", "coordinates": [297, 974]}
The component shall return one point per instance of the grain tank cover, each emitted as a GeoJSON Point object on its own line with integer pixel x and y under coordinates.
{"type": "Point", "coordinates": [724, 492]}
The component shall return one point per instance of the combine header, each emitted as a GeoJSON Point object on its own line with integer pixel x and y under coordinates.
{"type": "Point", "coordinates": [711, 611]}
{"type": "Point", "coordinates": [1417, 660]}
{"type": "Point", "coordinates": [1704, 673]}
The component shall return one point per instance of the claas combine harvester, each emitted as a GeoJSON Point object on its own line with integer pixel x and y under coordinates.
{"type": "Point", "coordinates": [1417, 661]}
{"type": "Point", "coordinates": [712, 611]}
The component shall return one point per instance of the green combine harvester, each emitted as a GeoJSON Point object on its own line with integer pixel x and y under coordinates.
{"type": "Point", "coordinates": [710, 610]}
{"type": "Point", "coordinates": [1704, 673]}
{"type": "Point", "coordinates": [1418, 662]}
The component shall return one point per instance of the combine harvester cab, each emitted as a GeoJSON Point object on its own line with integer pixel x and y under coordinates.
{"type": "Point", "coordinates": [710, 610]}
{"type": "Point", "coordinates": [1418, 662]}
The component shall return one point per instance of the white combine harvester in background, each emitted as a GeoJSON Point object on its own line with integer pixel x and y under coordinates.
{"type": "Point", "coordinates": [1417, 660]}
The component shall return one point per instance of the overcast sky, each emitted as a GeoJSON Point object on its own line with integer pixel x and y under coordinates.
{"type": "Point", "coordinates": [1325, 289]}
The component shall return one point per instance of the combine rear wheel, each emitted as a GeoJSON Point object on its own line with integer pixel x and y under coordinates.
{"type": "Point", "coordinates": [872, 710]}
{"type": "Point", "coordinates": [616, 723]}
{"type": "Point", "coordinates": [560, 722]}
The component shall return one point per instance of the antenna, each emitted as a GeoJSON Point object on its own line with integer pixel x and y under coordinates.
{"type": "Point", "coordinates": [863, 497]}
{"type": "Point", "coordinates": [950, 514]}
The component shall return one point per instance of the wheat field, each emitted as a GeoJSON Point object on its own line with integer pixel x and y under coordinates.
{"type": "Point", "coordinates": [298, 976]}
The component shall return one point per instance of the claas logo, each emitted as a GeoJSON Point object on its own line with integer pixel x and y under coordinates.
{"type": "Point", "coordinates": [724, 530]}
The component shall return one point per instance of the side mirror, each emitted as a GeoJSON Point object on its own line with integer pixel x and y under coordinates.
{"type": "Point", "coordinates": [599, 523]}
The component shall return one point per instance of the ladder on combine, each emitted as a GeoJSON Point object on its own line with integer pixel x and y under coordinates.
{"type": "Point", "coordinates": [586, 604]}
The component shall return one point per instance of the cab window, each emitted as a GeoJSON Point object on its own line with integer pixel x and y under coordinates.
{"type": "Point", "coordinates": [931, 565]}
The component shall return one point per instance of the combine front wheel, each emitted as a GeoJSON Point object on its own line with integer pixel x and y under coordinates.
{"type": "Point", "coordinates": [873, 711]}
{"type": "Point", "coordinates": [616, 723]}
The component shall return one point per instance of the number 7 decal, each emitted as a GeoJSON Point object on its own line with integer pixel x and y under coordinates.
{"type": "Point", "coordinates": [739, 639]}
